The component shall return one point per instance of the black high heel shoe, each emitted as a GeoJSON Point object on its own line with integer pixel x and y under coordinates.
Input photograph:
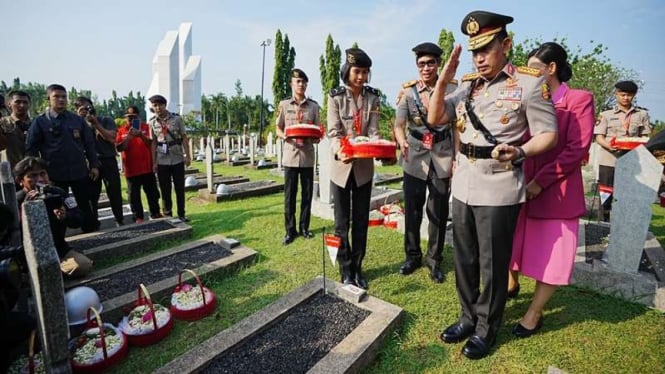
{"type": "Point", "coordinates": [522, 332]}
{"type": "Point", "coordinates": [512, 294]}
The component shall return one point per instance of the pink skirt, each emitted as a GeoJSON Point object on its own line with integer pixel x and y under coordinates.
{"type": "Point", "coordinates": [544, 249]}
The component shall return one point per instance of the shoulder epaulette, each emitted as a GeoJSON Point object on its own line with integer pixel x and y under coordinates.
{"type": "Point", "coordinates": [529, 71]}
{"type": "Point", "coordinates": [409, 83]}
{"type": "Point", "coordinates": [454, 81]}
{"type": "Point", "coordinates": [373, 90]}
{"type": "Point", "coordinates": [470, 77]}
{"type": "Point", "coordinates": [337, 91]}
{"type": "Point", "coordinates": [641, 107]}
{"type": "Point", "coordinates": [312, 100]}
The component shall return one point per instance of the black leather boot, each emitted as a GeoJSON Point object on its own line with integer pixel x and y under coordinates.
{"type": "Point", "coordinates": [360, 280]}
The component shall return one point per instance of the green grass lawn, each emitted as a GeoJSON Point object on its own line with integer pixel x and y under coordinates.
{"type": "Point", "coordinates": [584, 332]}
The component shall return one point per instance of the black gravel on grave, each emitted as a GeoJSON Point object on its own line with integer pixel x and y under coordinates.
{"type": "Point", "coordinates": [125, 281]}
{"type": "Point", "coordinates": [596, 237]}
{"type": "Point", "coordinates": [130, 232]}
{"type": "Point", "coordinates": [296, 343]}
{"type": "Point", "coordinates": [240, 187]}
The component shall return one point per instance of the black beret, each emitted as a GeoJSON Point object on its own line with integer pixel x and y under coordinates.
{"type": "Point", "coordinates": [482, 26]}
{"type": "Point", "coordinates": [159, 99]}
{"type": "Point", "coordinates": [299, 74]}
{"type": "Point", "coordinates": [427, 48]}
{"type": "Point", "coordinates": [357, 57]}
{"type": "Point", "coordinates": [626, 86]}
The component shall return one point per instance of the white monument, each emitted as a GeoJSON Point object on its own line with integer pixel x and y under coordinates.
{"type": "Point", "coordinates": [176, 74]}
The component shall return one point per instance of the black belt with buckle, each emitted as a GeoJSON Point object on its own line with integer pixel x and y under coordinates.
{"type": "Point", "coordinates": [438, 135]}
{"type": "Point", "coordinates": [472, 151]}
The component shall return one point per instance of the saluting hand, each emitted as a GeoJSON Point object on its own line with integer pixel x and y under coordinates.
{"type": "Point", "coordinates": [450, 68]}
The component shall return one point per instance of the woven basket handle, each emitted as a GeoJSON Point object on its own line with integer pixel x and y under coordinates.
{"type": "Point", "coordinates": [198, 281]}
{"type": "Point", "coordinates": [100, 326]}
{"type": "Point", "coordinates": [145, 295]}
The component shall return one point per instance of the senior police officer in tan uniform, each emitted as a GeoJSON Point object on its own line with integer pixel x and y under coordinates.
{"type": "Point", "coordinates": [623, 120]}
{"type": "Point", "coordinates": [427, 157]}
{"type": "Point", "coordinates": [492, 109]}
{"type": "Point", "coordinates": [353, 111]}
{"type": "Point", "coordinates": [298, 157]}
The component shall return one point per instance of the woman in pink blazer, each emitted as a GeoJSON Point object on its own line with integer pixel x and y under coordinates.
{"type": "Point", "coordinates": [546, 235]}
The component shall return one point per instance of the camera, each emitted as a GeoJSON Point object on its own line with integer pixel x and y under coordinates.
{"type": "Point", "coordinates": [90, 109]}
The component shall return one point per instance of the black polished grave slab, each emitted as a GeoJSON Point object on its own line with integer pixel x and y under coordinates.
{"type": "Point", "coordinates": [244, 190]}
{"type": "Point", "coordinates": [261, 166]}
{"type": "Point", "coordinates": [117, 285]}
{"type": "Point", "coordinates": [190, 170]}
{"type": "Point", "coordinates": [129, 239]}
{"type": "Point", "coordinates": [295, 334]}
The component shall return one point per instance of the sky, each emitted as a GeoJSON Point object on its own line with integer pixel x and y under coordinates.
{"type": "Point", "coordinates": [105, 46]}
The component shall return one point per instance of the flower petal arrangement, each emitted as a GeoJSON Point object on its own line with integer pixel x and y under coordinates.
{"type": "Point", "coordinates": [189, 302]}
{"type": "Point", "coordinates": [147, 323]}
{"type": "Point", "coordinates": [100, 346]}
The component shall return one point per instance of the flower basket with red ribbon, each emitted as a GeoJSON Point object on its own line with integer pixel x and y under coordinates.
{"type": "Point", "coordinates": [303, 130]}
{"type": "Point", "coordinates": [30, 364]}
{"type": "Point", "coordinates": [147, 323]}
{"type": "Point", "coordinates": [362, 147]}
{"type": "Point", "coordinates": [99, 347]}
{"type": "Point", "coordinates": [375, 218]}
{"type": "Point", "coordinates": [191, 303]}
{"type": "Point", "coordinates": [628, 143]}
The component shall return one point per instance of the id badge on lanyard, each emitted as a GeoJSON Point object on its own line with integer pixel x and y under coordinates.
{"type": "Point", "coordinates": [428, 141]}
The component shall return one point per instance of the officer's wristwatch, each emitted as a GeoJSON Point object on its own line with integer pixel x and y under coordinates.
{"type": "Point", "coordinates": [521, 156]}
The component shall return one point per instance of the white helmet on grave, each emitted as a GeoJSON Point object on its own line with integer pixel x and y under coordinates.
{"type": "Point", "coordinates": [190, 181]}
{"type": "Point", "coordinates": [77, 302]}
{"type": "Point", "coordinates": [222, 189]}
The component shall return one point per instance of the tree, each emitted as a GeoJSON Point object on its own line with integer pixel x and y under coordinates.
{"type": "Point", "coordinates": [592, 70]}
{"type": "Point", "coordinates": [285, 57]}
{"type": "Point", "coordinates": [387, 113]}
{"type": "Point", "coordinates": [329, 65]}
{"type": "Point", "coordinates": [446, 43]}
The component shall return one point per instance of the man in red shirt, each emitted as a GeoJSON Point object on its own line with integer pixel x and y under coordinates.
{"type": "Point", "coordinates": [133, 140]}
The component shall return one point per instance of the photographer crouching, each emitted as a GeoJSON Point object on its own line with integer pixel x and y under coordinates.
{"type": "Point", "coordinates": [62, 210]}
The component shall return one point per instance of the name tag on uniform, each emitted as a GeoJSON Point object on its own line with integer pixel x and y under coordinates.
{"type": "Point", "coordinates": [163, 148]}
{"type": "Point", "coordinates": [76, 133]}
{"type": "Point", "coordinates": [510, 94]}
{"type": "Point", "coordinates": [428, 140]}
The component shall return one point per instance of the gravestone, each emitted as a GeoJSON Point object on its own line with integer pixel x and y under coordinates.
{"type": "Point", "coordinates": [46, 281]}
{"type": "Point", "coordinates": [227, 147]}
{"type": "Point", "coordinates": [252, 149]}
{"type": "Point", "coordinates": [209, 168]}
{"type": "Point", "coordinates": [240, 143]}
{"type": "Point", "coordinates": [202, 145]}
{"type": "Point", "coordinates": [269, 144]}
{"type": "Point", "coordinates": [280, 147]}
{"type": "Point", "coordinates": [323, 154]}
{"type": "Point", "coordinates": [636, 180]}
{"type": "Point", "coordinates": [191, 149]}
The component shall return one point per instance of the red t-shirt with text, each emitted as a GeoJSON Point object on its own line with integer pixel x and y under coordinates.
{"type": "Point", "coordinates": [137, 156]}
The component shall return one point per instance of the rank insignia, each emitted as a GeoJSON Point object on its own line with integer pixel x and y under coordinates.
{"type": "Point", "coordinates": [504, 119]}
{"type": "Point", "coordinates": [460, 124]}
{"type": "Point", "coordinates": [76, 134]}
{"type": "Point", "coordinates": [545, 90]}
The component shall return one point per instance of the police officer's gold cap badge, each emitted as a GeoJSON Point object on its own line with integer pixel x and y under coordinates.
{"type": "Point", "coordinates": [472, 26]}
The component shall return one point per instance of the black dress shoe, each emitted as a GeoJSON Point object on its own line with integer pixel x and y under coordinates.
{"type": "Point", "coordinates": [289, 238]}
{"type": "Point", "coordinates": [361, 282]}
{"type": "Point", "coordinates": [348, 279]}
{"type": "Point", "coordinates": [522, 332]}
{"type": "Point", "coordinates": [477, 347]}
{"type": "Point", "coordinates": [457, 332]}
{"type": "Point", "coordinates": [409, 267]}
{"type": "Point", "coordinates": [306, 234]}
{"type": "Point", "coordinates": [436, 275]}
{"type": "Point", "coordinates": [514, 292]}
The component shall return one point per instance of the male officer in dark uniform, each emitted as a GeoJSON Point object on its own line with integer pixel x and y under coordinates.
{"type": "Point", "coordinates": [298, 158]}
{"type": "Point", "coordinates": [427, 157]}
{"type": "Point", "coordinates": [623, 120]}
{"type": "Point", "coordinates": [492, 109]}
